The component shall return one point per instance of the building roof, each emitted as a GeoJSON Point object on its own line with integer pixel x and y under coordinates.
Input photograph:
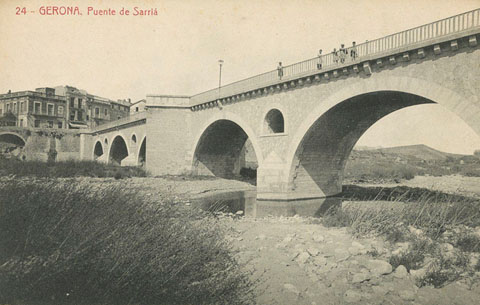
{"type": "Point", "coordinates": [140, 101]}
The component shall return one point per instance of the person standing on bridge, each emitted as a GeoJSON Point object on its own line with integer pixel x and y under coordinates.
{"type": "Point", "coordinates": [353, 51]}
{"type": "Point", "coordinates": [335, 55]}
{"type": "Point", "coordinates": [280, 70]}
{"type": "Point", "coordinates": [343, 53]}
{"type": "Point", "coordinates": [320, 60]}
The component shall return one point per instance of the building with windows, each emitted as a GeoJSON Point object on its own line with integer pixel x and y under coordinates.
{"type": "Point", "coordinates": [138, 106]}
{"type": "Point", "coordinates": [39, 109]}
{"type": "Point", "coordinates": [63, 107]}
{"type": "Point", "coordinates": [119, 109]}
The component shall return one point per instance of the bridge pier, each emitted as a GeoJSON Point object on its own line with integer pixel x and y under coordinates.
{"type": "Point", "coordinates": [272, 185]}
{"type": "Point", "coordinates": [130, 160]}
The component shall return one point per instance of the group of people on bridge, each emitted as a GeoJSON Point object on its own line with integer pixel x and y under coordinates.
{"type": "Point", "coordinates": [339, 57]}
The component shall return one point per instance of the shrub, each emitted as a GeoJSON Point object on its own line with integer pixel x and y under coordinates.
{"type": "Point", "coordinates": [68, 243]}
{"type": "Point", "coordinates": [118, 175]}
{"type": "Point", "coordinates": [396, 235]}
{"type": "Point", "coordinates": [445, 270]}
{"type": "Point", "coordinates": [469, 243]}
{"type": "Point", "coordinates": [337, 217]}
{"type": "Point", "coordinates": [433, 212]}
{"type": "Point", "coordinates": [414, 256]}
{"type": "Point", "coordinates": [65, 169]}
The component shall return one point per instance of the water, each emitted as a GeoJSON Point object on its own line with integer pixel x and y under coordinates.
{"type": "Point", "coordinates": [245, 201]}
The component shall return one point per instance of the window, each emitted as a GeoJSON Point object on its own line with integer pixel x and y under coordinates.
{"type": "Point", "coordinates": [37, 108]}
{"type": "Point", "coordinates": [14, 107]}
{"type": "Point", "coordinates": [72, 117]}
{"type": "Point", "coordinates": [8, 108]}
{"type": "Point", "coordinates": [274, 122]}
{"type": "Point", "coordinates": [50, 109]}
{"type": "Point", "coordinates": [22, 107]}
{"type": "Point", "coordinates": [80, 115]}
{"type": "Point", "coordinates": [72, 102]}
{"type": "Point", "coordinates": [37, 123]}
{"type": "Point", "coordinates": [60, 110]}
{"type": "Point", "coordinates": [136, 109]}
{"type": "Point", "coordinates": [21, 122]}
{"type": "Point", "coordinates": [79, 103]}
{"type": "Point", "coordinates": [97, 112]}
{"type": "Point", "coordinates": [119, 117]}
{"type": "Point", "coordinates": [1, 110]}
{"type": "Point", "coordinates": [50, 124]}
{"type": "Point", "coordinates": [60, 125]}
{"type": "Point", "coordinates": [88, 117]}
{"type": "Point", "coordinates": [106, 112]}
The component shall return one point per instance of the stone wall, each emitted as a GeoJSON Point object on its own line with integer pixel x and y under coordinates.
{"type": "Point", "coordinates": [61, 145]}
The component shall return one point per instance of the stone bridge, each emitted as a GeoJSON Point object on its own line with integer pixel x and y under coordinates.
{"type": "Point", "coordinates": [301, 128]}
{"type": "Point", "coordinates": [120, 142]}
{"type": "Point", "coordinates": [297, 131]}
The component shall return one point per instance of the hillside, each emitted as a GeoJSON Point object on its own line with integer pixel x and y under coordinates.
{"type": "Point", "coordinates": [406, 162]}
{"type": "Point", "coordinates": [420, 151]}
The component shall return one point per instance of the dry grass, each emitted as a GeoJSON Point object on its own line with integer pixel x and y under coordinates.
{"type": "Point", "coordinates": [422, 224]}
{"type": "Point", "coordinates": [64, 169]}
{"type": "Point", "coordinates": [65, 243]}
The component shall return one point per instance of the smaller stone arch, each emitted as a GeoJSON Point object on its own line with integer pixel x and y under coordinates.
{"type": "Point", "coordinates": [118, 150]}
{"type": "Point", "coordinates": [12, 145]}
{"type": "Point", "coordinates": [274, 122]}
{"type": "Point", "coordinates": [98, 150]}
{"type": "Point", "coordinates": [142, 153]}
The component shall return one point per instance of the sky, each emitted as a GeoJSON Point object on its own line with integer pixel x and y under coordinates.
{"type": "Point", "coordinates": [177, 51]}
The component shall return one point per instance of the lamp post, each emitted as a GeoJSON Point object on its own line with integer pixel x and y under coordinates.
{"type": "Point", "coordinates": [220, 62]}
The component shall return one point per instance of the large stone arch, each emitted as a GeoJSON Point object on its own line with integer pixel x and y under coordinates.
{"type": "Point", "coordinates": [349, 105]}
{"type": "Point", "coordinates": [118, 149]}
{"type": "Point", "coordinates": [220, 146]}
{"type": "Point", "coordinates": [225, 115]}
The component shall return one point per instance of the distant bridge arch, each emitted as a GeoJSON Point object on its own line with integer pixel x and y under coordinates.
{"type": "Point", "coordinates": [98, 150]}
{"type": "Point", "coordinates": [119, 149]}
{"type": "Point", "coordinates": [12, 138]}
{"type": "Point", "coordinates": [142, 152]}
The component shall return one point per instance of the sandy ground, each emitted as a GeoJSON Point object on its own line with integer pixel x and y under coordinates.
{"type": "Point", "coordinates": [298, 261]}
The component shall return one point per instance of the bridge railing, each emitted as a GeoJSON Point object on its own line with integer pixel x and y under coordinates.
{"type": "Point", "coordinates": [132, 118]}
{"type": "Point", "coordinates": [421, 34]}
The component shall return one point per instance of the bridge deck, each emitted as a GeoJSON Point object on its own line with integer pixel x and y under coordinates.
{"type": "Point", "coordinates": [138, 118]}
{"type": "Point", "coordinates": [421, 36]}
